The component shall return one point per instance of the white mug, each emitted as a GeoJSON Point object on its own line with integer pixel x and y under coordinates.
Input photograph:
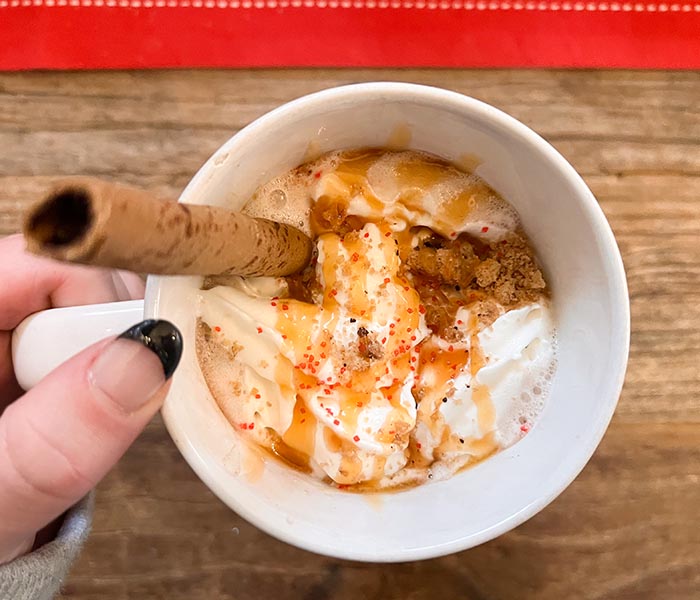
{"type": "Point", "coordinates": [583, 267]}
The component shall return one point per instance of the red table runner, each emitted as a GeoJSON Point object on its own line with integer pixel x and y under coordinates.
{"type": "Point", "coordinates": [94, 34]}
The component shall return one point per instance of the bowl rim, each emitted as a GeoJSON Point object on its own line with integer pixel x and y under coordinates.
{"type": "Point", "coordinates": [619, 302]}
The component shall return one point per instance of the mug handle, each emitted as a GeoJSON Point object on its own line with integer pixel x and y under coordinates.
{"type": "Point", "coordinates": [46, 339]}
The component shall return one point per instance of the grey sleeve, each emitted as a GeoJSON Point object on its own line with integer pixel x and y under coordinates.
{"type": "Point", "coordinates": [39, 575]}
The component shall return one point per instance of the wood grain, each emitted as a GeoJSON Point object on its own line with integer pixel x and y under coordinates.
{"type": "Point", "coordinates": [627, 528]}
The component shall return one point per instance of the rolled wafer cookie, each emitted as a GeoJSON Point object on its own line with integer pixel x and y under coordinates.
{"type": "Point", "coordinates": [94, 222]}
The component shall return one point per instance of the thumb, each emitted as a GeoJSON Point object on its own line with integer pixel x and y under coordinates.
{"type": "Point", "coordinates": [60, 438]}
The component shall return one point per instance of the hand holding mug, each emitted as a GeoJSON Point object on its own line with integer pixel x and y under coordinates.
{"type": "Point", "coordinates": [59, 439]}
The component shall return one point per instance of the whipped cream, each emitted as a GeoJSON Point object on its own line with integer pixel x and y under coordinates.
{"type": "Point", "coordinates": [355, 387]}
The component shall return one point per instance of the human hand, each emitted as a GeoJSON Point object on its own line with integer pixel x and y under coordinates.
{"type": "Point", "coordinates": [59, 439]}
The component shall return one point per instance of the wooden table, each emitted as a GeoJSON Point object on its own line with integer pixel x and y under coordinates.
{"type": "Point", "coordinates": [627, 528]}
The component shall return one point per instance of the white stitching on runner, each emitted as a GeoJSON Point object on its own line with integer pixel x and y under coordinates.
{"type": "Point", "coordinates": [480, 5]}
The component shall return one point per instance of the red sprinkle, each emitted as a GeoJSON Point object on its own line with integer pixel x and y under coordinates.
{"type": "Point", "coordinates": [355, 257]}
{"type": "Point", "coordinates": [336, 422]}
{"type": "Point", "coordinates": [251, 426]}
{"type": "Point", "coordinates": [359, 404]}
{"type": "Point", "coordinates": [413, 338]}
{"type": "Point", "coordinates": [409, 310]}
{"type": "Point", "coordinates": [217, 328]}
{"type": "Point", "coordinates": [484, 229]}
{"type": "Point", "coordinates": [387, 280]}
{"type": "Point", "coordinates": [285, 307]}
{"type": "Point", "coordinates": [273, 303]}
{"type": "Point", "coordinates": [387, 234]}
{"type": "Point", "coordinates": [366, 235]}
{"type": "Point", "coordinates": [524, 428]}
{"type": "Point", "coordinates": [302, 410]}
{"type": "Point", "coordinates": [383, 340]}
{"type": "Point", "coordinates": [317, 174]}
{"type": "Point", "coordinates": [356, 438]}
{"type": "Point", "coordinates": [302, 421]}
{"type": "Point", "coordinates": [418, 445]}
{"type": "Point", "coordinates": [460, 322]}
{"type": "Point", "coordinates": [421, 309]}
{"type": "Point", "coordinates": [257, 396]}
{"type": "Point", "coordinates": [284, 337]}
{"type": "Point", "coordinates": [259, 329]}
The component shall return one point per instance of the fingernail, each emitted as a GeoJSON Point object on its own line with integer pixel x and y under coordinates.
{"type": "Point", "coordinates": [135, 366]}
{"type": "Point", "coordinates": [160, 337]}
